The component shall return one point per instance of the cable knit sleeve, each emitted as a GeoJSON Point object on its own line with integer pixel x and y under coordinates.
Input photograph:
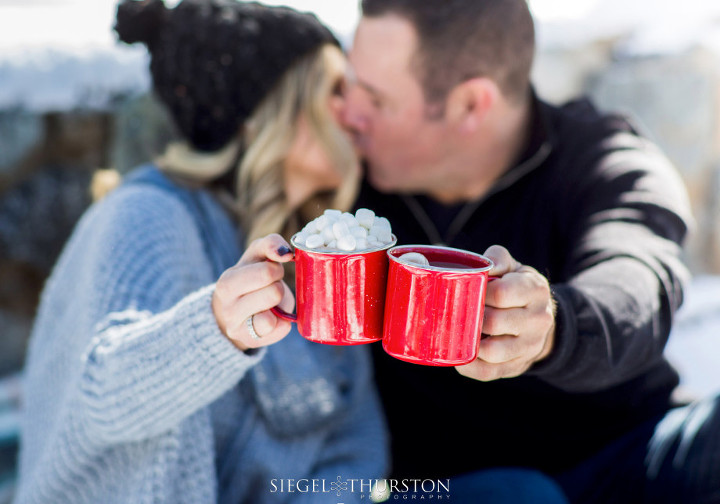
{"type": "Point", "coordinates": [148, 373]}
{"type": "Point", "coordinates": [155, 355]}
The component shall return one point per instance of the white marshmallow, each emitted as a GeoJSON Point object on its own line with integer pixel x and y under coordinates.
{"type": "Point", "coordinates": [328, 235]}
{"type": "Point", "coordinates": [344, 231]}
{"type": "Point", "coordinates": [381, 222]}
{"type": "Point", "coordinates": [331, 214]}
{"type": "Point", "coordinates": [365, 217]}
{"type": "Point", "coordinates": [322, 222]}
{"type": "Point", "coordinates": [383, 234]}
{"type": "Point", "coordinates": [349, 219]}
{"type": "Point", "coordinates": [414, 257]}
{"type": "Point", "coordinates": [346, 243]}
{"type": "Point", "coordinates": [359, 232]}
{"type": "Point", "coordinates": [301, 237]}
{"type": "Point", "coordinates": [340, 229]}
{"type": "Point", "coordinates": [314, 241]}
{"type": "Point", "coordinates": [311, 227]}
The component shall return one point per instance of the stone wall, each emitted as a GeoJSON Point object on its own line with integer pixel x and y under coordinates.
{"type": "Point", "coordinates": [47, 161]}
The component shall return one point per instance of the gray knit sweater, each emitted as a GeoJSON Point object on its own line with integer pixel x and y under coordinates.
{"type": "Point", "coordinates": [133, 395]}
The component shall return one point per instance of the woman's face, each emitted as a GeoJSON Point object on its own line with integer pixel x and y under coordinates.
{"type": "Point", "coordinates": [309, 168]}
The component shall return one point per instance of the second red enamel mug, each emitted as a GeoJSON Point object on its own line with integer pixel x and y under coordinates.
{"type": "Point", "coordinates": [434, 313]}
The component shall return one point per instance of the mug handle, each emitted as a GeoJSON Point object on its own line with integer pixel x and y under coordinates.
{"type": "Point", "coordinates": [279, 312]}
{"type": "Point", "coordinates": [490, 279]}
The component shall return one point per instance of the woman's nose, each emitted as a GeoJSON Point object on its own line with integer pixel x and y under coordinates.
{"type": "Point", "coordinates": [352, 117]}
{"type": "Point", "coordinates": [337, 108]}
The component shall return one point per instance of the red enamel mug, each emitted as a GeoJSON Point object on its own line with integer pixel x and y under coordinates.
{"type": "Point", "coordinates": [340, 296]}
{"type": "Point", "coordinates": [434, 314]}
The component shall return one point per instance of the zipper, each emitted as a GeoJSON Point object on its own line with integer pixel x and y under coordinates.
{"type": "Point", "coordinates": [458, 223]}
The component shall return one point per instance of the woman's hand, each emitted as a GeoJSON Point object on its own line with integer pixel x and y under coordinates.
{"type": "Point", "coordinates": [245, 293]}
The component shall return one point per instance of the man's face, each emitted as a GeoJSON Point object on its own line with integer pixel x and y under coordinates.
{"type": "Point", "coordinates": [386, 109]}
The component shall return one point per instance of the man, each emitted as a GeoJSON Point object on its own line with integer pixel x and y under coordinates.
{"type": "Point", "coordinates": [584, 220]}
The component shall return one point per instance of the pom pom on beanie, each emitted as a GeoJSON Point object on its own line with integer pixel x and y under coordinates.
{"type": "Point", "coordinates": [139, 21]}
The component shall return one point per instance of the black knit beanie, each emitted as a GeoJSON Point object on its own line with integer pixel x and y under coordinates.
{"type": "Point", "coordinates": [213, 61]}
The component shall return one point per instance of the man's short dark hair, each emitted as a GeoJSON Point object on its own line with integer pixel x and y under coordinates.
{"type": "Point", "coordinates": [462, 39]}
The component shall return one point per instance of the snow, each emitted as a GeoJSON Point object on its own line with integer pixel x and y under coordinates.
{"type": "Point", "coordinates": [51, 79]}
{"type": "Point", "coordinates": [60, 24]}
{"type": "Point", "coordinates": [694, 345]}
{"type": "Point", "coordinates": [643, 27]}
{"type": "Point", "coordinates": [59, 55]}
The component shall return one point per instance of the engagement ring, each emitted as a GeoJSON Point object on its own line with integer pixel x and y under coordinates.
{"type": "Point", "coordinates": [251, 328]}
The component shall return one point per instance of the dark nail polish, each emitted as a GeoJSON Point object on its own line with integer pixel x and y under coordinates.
{"type": "Point", "coordinates": [283, 250]}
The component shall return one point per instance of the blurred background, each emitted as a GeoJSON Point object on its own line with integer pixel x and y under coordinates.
{"type": "Point", "coordinates": [72, 101]}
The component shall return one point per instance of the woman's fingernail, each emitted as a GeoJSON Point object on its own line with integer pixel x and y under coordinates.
{"type": "Point", "coordinates": [284, 250]}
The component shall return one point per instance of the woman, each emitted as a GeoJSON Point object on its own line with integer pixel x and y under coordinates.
{"type": "Point", "coordinates": [156, 372]}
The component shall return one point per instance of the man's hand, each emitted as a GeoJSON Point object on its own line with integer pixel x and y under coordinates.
{"type": "Point", "coordinates": [519, 325]}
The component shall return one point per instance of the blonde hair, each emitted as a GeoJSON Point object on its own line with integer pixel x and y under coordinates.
{"type": "Point", "coordinates": [261, 204]}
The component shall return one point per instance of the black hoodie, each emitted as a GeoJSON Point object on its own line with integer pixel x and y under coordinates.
{"type": "Point", "coordinates": [601, 212]}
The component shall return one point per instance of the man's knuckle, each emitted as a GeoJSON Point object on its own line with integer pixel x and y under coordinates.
{"type": "Point", "coordinates": [547, 318]}
{"type": "Point", "coordinates": [502, 294]}
{"type": "Point", "coordinates": [514, 371]}
{"type": "Point", "coordinates": [541, 288]}
{"type": "Point", "coordinates": [542, 318]}
{"type": "Point", "coordinates": [480, 371]}
{"type": "Point", "coordinates": [490, 325]}
{"type": "Point", "coordinates": [493, 353]}
{"type": "Point", "coordinates": [489, 373]}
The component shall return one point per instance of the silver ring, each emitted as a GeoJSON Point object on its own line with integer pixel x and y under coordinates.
{"type": "Point", "coordinates": [251, 328]}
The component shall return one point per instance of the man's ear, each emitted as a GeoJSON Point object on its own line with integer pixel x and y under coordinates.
{"type": "Point", "coordinates": [470, 101]}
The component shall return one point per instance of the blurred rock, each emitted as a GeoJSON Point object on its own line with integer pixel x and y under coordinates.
{"type": "Point", "coordinates": [20, 133]}
{"type": "Point", "coordinates": [142, 130]}
{"type": "Point", "coordinates": [37, 216]}
{"type": "Point", "coordinates": [36, 219]}
{"type": "Point", "coordinates": [10, 401]}
{"type": "Point", "coordinates": [13, 343]}
{"type": "Point", "coordinates": [674, 99]}
{"type": "Point", "coordinates": [561, 74]}
{"type": "Point", "coordinates": [714, 222]}
{"type": "Point", "coordinates": [80, 139]}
